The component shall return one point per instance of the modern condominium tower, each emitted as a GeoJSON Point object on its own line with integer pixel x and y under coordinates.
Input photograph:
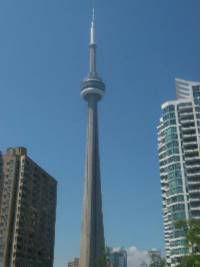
{"type": "Point", "coordinates": [27, 212]}
{"type": "Point", "coordinates": [116, 257]}
{"type": "Point", "coordinates": [155, 258]}
{"type": "Point", "coordinates": [92, 237]}
{"type": "Point", "coordinates": [179, 157]}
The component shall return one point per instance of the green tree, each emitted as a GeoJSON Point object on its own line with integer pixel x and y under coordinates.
{"type": "Point", "coordinates": [163, 263]}
{"type": "Point", "coordinates": [192, 229]}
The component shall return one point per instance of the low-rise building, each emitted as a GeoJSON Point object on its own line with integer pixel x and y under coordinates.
{"type": "Point", "coordinates": [73, 263]}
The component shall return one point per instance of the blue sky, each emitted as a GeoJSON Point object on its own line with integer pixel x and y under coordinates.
{"type": "Point", "coordinates": [142, 46]}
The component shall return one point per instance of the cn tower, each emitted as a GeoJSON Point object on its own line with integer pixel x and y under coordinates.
{"type": "Point", "coordinates": [92, 252]}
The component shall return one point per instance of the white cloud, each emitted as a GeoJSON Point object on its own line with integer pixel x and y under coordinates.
{"type": "Point", "coordinates": [116, 249]}
{"type": "Point", "coordinates": [136, 257]}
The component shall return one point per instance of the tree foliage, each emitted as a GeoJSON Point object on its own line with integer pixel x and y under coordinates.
{"type": "Point", "coordinates": [163, 263]}
{"type": "Point", "coordinates": [192, 229]}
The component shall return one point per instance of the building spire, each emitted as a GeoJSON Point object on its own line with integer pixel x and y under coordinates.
{"type": "Point", "coordinates": [93, 46]}
{"type": "Point", "coordinates": [93, 13]}
{"type": "Point", "coordinates": [93, 29]}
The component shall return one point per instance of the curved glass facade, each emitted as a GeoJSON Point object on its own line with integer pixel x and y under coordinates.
{"type": "Point", "coordinates": [178, 149]}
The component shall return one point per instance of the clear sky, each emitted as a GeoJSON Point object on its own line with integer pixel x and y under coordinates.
{"type": "Point", "coordinates": [142, 46]}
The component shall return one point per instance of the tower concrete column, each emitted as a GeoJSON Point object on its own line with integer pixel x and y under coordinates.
{"type": "Point", "coordinates": [92, 233]}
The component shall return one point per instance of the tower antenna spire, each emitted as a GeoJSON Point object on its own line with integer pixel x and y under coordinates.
{"type": "Point", "coordinates": [92, 67]}
{"type": "Point", "coordinates": [93, 29]}
{"type": "Point", "coordinates": [93, 14]}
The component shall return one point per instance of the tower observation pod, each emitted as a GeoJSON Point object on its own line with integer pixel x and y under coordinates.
{"type": "Point", "coordinates": [93, 84]}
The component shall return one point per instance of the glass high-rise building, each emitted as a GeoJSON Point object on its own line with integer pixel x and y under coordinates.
{"type": "Point", "coordinates": [179, 158]}
{"type": "Point", "coordinates": [155, 258]}
{"type": "Point", "coordinates": [116, 257]}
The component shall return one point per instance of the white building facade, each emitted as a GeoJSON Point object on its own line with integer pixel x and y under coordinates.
{"type": "Point", "coordinates": [179, 158]}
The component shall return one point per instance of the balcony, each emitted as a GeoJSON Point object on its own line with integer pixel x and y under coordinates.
{"type": "Point", "coordinates": [189, 141]}
{"type": "Point", "coordinates": [185, 108]}
{"type": "Point", "coordinates": [188, 128]}
{"type": "Point", "coordinates": [189, 135]}
{"type": "Point", "coordinates": [194, 190]}
{"type": "Point", "coordinates": [186, 113]}
{"type": "Point", "coordinates": [193, 182]}
{"type": "Point", "coordinates": [191, 152]}
{"type": "Point", "coordinates": [190, 145]}
{"type": "Point", "coordinates": [193, 174]}
{"type": "Point", "coordinates": [194, 208]}
{"type": "Point", "coordinates": [192, 159]}
{"type": "Point", "coordinates": [188, 120]}
{"type": "Point", "coordinates": [193, 167]}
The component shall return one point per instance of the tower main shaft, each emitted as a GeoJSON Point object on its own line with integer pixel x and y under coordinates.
{"type": "Point", "coordinates": [92, 236]}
